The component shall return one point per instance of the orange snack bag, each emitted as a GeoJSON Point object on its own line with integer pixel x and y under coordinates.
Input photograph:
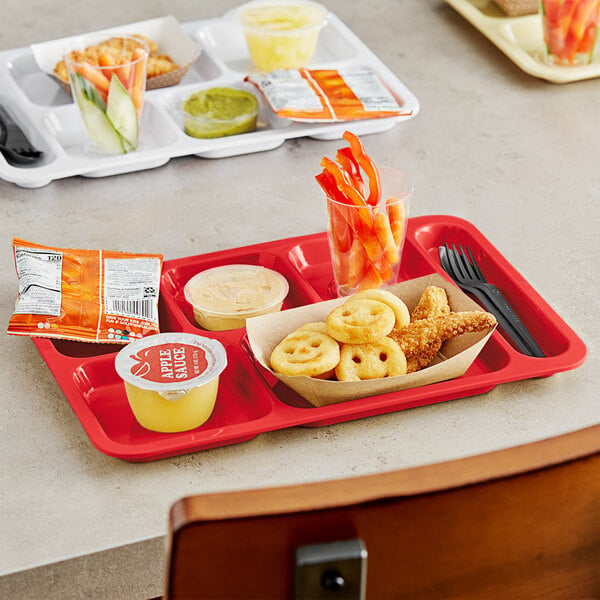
{"type": "Point", "coordinates": [327, 95]}
{"type": "Point", "coordinates": [85, 295]}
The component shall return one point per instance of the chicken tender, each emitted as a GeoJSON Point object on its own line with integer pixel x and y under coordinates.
{"type": "Point", "coordinates": [433, 303]}
{"type": "Point", "coordinates": [421, 340]}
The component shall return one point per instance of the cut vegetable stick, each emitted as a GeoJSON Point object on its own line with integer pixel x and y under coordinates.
{"type": "Point", "coordinates": [341, 231]}
{"type": "Point", "coordinates": [395, 210]}
{"type": "Point", "coordinates": [586, 45]}
{"type": "Point", "coordinates": [106, 60]}
{"type": "Point", "coordinates": [565, 14]}
{"type": "Point", "coordinates": [581, 17]}
{"type": "Point", "coordinates": [386, 238]}
{"type": "Point", "coordinates": [371, 279]}
{"type": "Point", "coordinates": [357, 263]}
{"type": "Point", "coordinates": [138, 58]}
{"type": "Point", "coordinates": [368, 166]}
{"type": "Point", "coordinates": [345, 186]}
{"type": "Point", "coordinates": [551, 7]}
{"type": "Point", "coordinates": [383, 268]}
{"type": "Point", "coordinates": [94, 76]}
{"type": "Point", "coordinates": [348, 163]}
{"type": "Point", "coordinates": [123, 72]}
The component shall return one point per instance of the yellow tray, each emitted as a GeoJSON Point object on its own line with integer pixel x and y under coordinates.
{"type": "Point", "coordinates": [521, 39]}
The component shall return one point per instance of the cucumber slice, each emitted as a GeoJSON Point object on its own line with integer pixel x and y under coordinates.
{"type": "Point", "coordinates": [99, 128]}
{"type": "Point", "coordinates": [89, 91]}
{"type": "Point", "coordinates": [121, 112]}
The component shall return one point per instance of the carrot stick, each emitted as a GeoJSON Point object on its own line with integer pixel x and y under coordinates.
{"type": "Point", "coordinates": [139, 58]}
{"type": "Point", "coordinates": [106, 60]}
{"type": "Point", "coordinates": [371, 279]}
{"type": "Point", "coordinates": [123, 72]}
{"type": "Point", "coordinates": [395, 210]}
{"type": "Point", "coordinates": [386, 238]}
{"type": "Point", "coordinates": [357, 263]}
{"type": "Point", "coordinates": [93, 75]}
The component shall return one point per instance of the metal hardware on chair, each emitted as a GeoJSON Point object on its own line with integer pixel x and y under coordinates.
{"type": "Point", "coordinates": [331, 570]}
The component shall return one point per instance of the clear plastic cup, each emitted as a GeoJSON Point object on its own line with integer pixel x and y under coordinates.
{"type": "Point", "coordinates": [571, 31]}
{"type": "Point", "coordinates": [171, 379]}
{"type": "Point", "coordinates": [366, 242]}
{"type": "Point", "coordinates": [108, 79]}
{"type": "Point", "coordinates": [281, 34]}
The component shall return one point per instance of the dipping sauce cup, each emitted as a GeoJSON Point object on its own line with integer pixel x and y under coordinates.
{"type": "Point", "coordinates": [571, 31]}
{"type": "Point", "coordinates": [282, 34]}
{"type": "Point", "coordinates": [224, 297]}
{"type": "Point", "coordinates": [219, 112]}
{"type": "Point", "coordinates": [171, 379]}
{"type": "Point", "coordinates": [366, 242]}
{"type": "Point", "coordinates": [108, 79]}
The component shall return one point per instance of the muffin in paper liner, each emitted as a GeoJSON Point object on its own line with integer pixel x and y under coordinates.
{"type": "Point", "coordinates": [454, 359]}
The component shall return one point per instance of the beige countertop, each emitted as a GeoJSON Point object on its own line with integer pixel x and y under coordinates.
{"type": "Point", "coordinates": [515, 155]}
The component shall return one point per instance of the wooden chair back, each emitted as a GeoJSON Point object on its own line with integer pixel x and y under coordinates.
{"type": "Point", "coordinates": [517, 523]}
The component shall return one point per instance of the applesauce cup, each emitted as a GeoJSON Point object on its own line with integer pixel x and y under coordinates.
{"type": "Point", "coordinates": [571, 32]}
{"type": "Point", "coordinates": [171, 379]}
{"type": "Point", "coordinates": [281, 34]}
{"type": "Point", "coordinates": [109, 89]}
{"type": "Point", "coordinates": [366, 242]}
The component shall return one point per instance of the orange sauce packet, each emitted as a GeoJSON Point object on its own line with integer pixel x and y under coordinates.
{"type": "Point", "coordinates": [85, 295]}
{"type": "Point", "coordinates": [327, 94]}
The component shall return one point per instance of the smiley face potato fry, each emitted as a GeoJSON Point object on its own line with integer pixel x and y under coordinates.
{"type": "Point", "coordinates": [306, 352]}
{"type": "Point", "coordinates": [383, 358]}
{"type": "Point", "coordinates": [400, 309]}
{"type": "Point", "coordinates": [360, 321]}
{"type": "Point", "coordinates": [375, 336]}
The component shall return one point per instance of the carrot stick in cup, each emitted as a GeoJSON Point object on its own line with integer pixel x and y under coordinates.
{"type": "Point", "coordinates": [106, 60]}
{"type": "Point", "coordinates": [395, 210]}
{"type": "Point", "coordinates": [371, 279]}
{"type": "Point", "coordinates": [386, 238]}
{"type": "Point", "coordinates": [123, 72]}
{"type": "Point", "coordinates": [94, 76]}
{"type": "Point", "coordinates": [138, 57]}
{"type": "Point", "coordinates": [358, 262]}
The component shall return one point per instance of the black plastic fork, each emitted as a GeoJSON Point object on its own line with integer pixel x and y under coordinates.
{"type": "Point", "coordinates": [465, 271]}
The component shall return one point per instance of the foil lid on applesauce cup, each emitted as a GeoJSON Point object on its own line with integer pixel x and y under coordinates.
{"type": "Point", "coordinates": [171, 364]}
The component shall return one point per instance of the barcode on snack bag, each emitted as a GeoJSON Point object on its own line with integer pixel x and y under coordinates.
{"type": "Point", "coordinates": [144, 309]}
{"type": "Point", "coordinates": [131, 287]}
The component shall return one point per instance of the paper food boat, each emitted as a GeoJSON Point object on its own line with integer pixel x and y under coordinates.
{"type": "Point", "coordinates": [165, 31]}
{"type": "Point", "coordinates": [453, 360]}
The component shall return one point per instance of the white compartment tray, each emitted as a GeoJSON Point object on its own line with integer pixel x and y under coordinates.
{"type": "Point", "coordinates": [51, 122]}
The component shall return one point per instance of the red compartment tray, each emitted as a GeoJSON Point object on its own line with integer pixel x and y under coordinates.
{"type": "Point", "coordinates": [251, 401]}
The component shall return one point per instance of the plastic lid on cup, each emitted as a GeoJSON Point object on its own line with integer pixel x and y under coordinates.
{"type": "Point", "coordinates": [171, 363]}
